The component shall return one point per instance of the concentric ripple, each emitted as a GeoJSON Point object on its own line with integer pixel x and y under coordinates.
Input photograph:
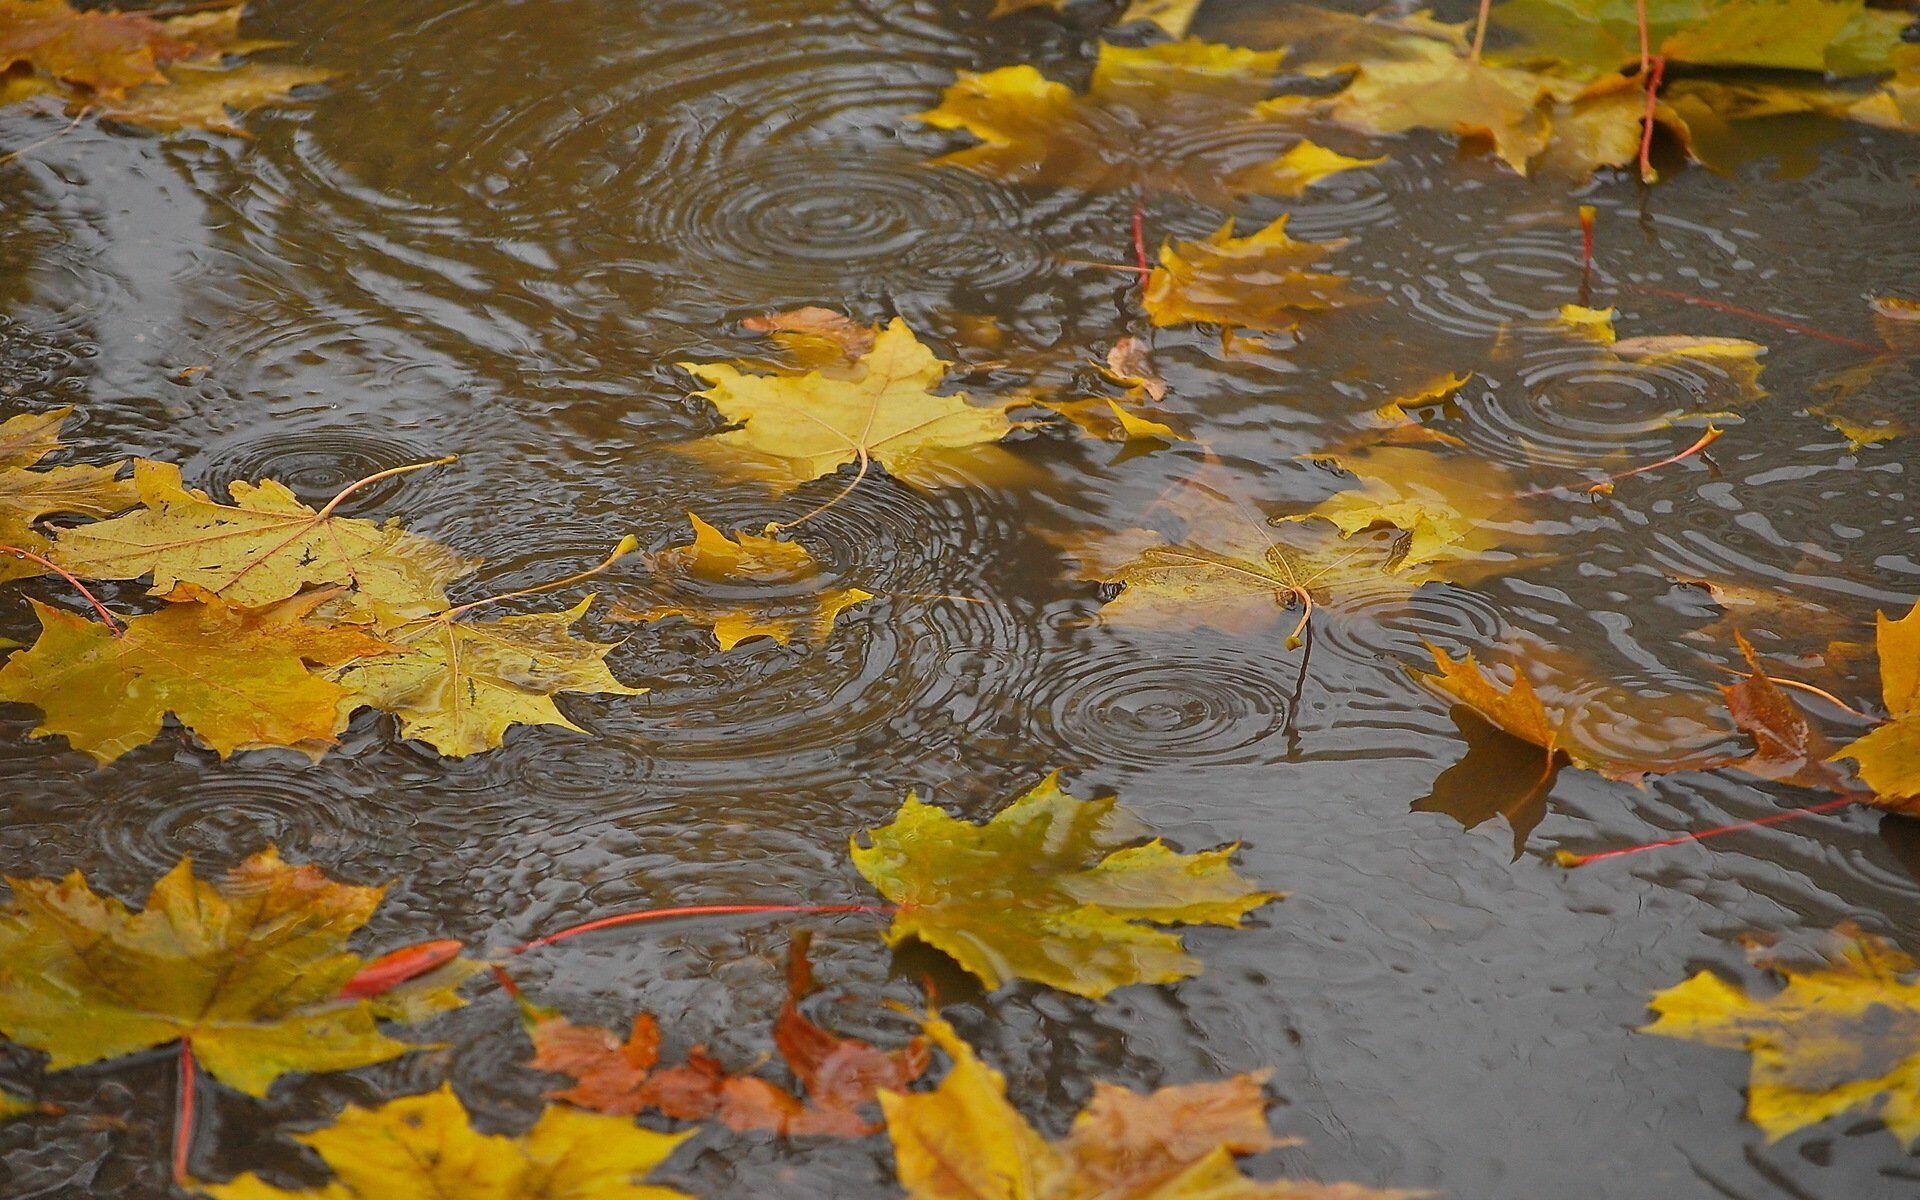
{"type": "Point", "coordinates": [1118, 705]}
{"type": "Point", "coordinates": [214, 816]}
{"type": "Point", "coordinates": [316, 463]}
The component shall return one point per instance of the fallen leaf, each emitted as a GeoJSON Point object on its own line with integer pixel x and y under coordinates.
{"type": "Point", "coordinates": [1324, 41]}
{"type": "Point", "coordinates": [264, 547]}
{"type": "Point", "coordinates": [1188, 117]}
{"type": "Point", "coordinates": [1874, 401]}
{"type": "Point", "coordinates": [1252, 282]}
{"type": "Point", "coordinates": [817, 339]}
{"type": "Point", "coordinates": [424, 1148]}
{"type": "Point", "coordinates": [795, 428]}
{"type": "Point", "coordinates": [1843, 1038]}
{"type": "Point", "coordinates": [1596, 37]}
{"type": "Point", "coordinates": [207, 97]}
{"type": "Point", "coordinates": [459, 684]}
{"type": "Point", "coordinates": [1174, 16]}
{"type": "Point", "coordinates": [248, 970]}
{"type": "Point", "coordinates": [964, 1141]}
{"type": "Point", "coordinates": [1440, 89]}
{"type": "Point", "coordinates": [1052, 889]}
{"type": "Point", "coordinates": [237, 677]}
{"type": "Point", "coordinates": [1107, 418]}
{"type": "Point", "coordinates": [837, 1076]}
{"type": "Point", "coordinates": [103, 51]}
{"type": "Point", "coordinates": [28, 495]}
{"type": "Point", "coordinates": [1129, 363]}
{"type": "Point", "coordinates": [1889, 757]}
{"type": "Point", "coordinates": [1786, 748]}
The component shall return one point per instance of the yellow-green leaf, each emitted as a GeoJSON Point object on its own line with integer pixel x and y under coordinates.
{"type": "Point", "coordinates": [249, 969]}
{"type": "Point", "coordinates": [1052, 889]}
{"type": "Point", "coordinates": [425, 1148]}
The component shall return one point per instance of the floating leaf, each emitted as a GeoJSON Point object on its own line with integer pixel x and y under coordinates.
{"type": "Point", "coordinates": [1874, 401]}
{"type": "Point", "coordinates": [1113, 421]}
{"type": "Point", "coordinates": [1253, 282]}
{"type": "Point", "coordinates": [794, 428]}
{"type": "Point", "coordinates": [249, 970]}
{"type": "Point", "coordinates": [237, 677]}
{"type": "Point", "coordinates": [1184, 117]}
{"type": "Point", "coordinates": [424, 1148]}
{"type": "Point", "coordinates": [1844, 1038]}
{"type": "Point", "coordinates": [963, 1141]}
{"type": "Point", "coordinates": [1440, 89]}
{"type": "Point", "coordinates": [264, 547]}
{"type": "Point", "coordinates": [1174, 16]}
{"type": "Point", "coordinates": [1052, 889]}
{"type": "Point", "coordinates": [459, 685]}
{"type": "Point", "coordinates": [1324, 41]}
{"type": "Point", "coordinates": [1129, 363]}
{"type": "Point", "coordinates": [1785, 747]}
{"type": "Point", "coordinates": [1592, 38]}
{"type": "Point", "coordinates": [106, 52]}
{"type": "Point", "coordinates": [839, 1075]}
{"type": "Point", "coordinates": [206, 97]}
{"type": "Point", "coordinates": [28, 495]}
{"type": "Point", "coordinates": [1889, 757]}
{"type": "Point", "coordinates": [818, 339]}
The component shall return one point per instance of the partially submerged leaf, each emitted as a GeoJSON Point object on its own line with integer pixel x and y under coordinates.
{"type": "Point", "coordinates": [1877, 400]}
{"type": "Point", "coordinates": [1786, 748]}
{"type": "Point", "coordinates": [817, 339]}
{"type": "Point", "coordinates": [459, 685]}
{"type": "Point", "coordinates": [28, 495]}
{"type": "Point", "coordinates": [1052, 889]}
{"type": "Point", "coordinates": [105, 51]}
{"type": "Point", "coordinates": [1252, 282]}
{"type": "Point", "coordinates": [265, 546]}
{"type": "Point", "coordinates": [1107, 418]}
{"type": "Point", "coordinates": [1439, 89]}
{"type": "Point", "coordinates": [794, 428]}
{"type": "Point", "coordinates": [1187, 117]}
{"type": "Point", "coordinates": [837, 1076]}
{"type": "Point", "coordinates": [1841, 1039]}
{"type": "Point", "coordinates": [1889, 757]}
{"type": "Point", "coordinates": [248, 969]}
{"type": "Point", "coordinates": [238, 678]}
{"type": "Point", "coordinates": [207, 97]}
{"type": "Point", "coordinates": [964, 1141]}
{"type": "Point", "coordinates": [424, 1148]}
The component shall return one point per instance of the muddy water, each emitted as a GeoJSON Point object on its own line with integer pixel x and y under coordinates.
{"type": "Point", "coordinates": [511, 218]}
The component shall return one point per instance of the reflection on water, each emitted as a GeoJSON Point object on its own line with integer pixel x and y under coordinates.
{"type": "Point", "coordinates": [500, 231]}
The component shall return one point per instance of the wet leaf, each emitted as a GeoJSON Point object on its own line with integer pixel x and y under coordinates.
{"type": "Point", "coordinates": [837, 1076]}
{"type": "Point", "coordinates": [1174, 16]}
{"type": "Point", "coordinates": [1113, 421]}
{"type": "Point", "coordinates": [1439, 89]}
{"type": "Point", "coordinates": [817, 339]}
{"type": "Point", "coordinates": [1786, 748]}
{"type": "Point", "coordinates": [1130, 364]}
{"type": "Point", "coordinates": [1252, 282]}
{"type": "Point", "coordinates": [264, 547]}
{"type": "Point", "coordinates": [106, 52]}
{"type": "Point", "coordinates": [1889, 757]}
{"type": "Point", "coordinates": [28, 495]}
{"type": "Point", "coordinates": [1875, 401]}
{"type": "Point", "coordinates": [237, 677]}
{"type": "Point", "coordinates": [1843, 1038]}
{"type": "Point", "coordinates": [1323, 41]}
{"type": "Point", "coordinates": [207, 97]}
{"type": "Point", "coordinates": [1052, 889]}
{"type": "Point", "coordinates": [964, 1141]}
{"type": "Point", "coordinates": [248, 969]}
{"type": "Point", "coordinates": [794, 428]}
{"type": "Point", "coordinates": [1188, 117]}
{"type": "Point", "coordinates": [459, 684]}
{"type": "Point", "coordinates": [753, 561]}
{"type": "Point", "coordinates": [12, 1107]}
{"type": "Point", "coordinates": [1595, 37]}
{"type": "Point", "coordinates": [424, 1148]}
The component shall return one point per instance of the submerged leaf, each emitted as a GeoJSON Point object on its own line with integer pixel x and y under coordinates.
{"type": "Point", "coordinates": [1845, 1038]}
{"type": "Point", "coordinates": [459, 685]}
{"type": "Point", "coordinates": [1189, 117]}
{"type": "Point", "coordinates": [1786, 748]}
{"type": "Point", "coordinates": [264, 547]}
{"type": "Point", "coordinates": [964, 1141]}
{"type": "Point", "coordinates": [794, 428]}
{"type": "Point", "coordinates": [28, 495]}
{"type": "Point", "coordinates": [104, 51]}
{"type": "Point", "coordinates": [1877, 400]}
{"type": "Point", "coordinates": [1053, 889]}
{"type": "Point", "coordinates": [424, 1148]}
{"type": "Point", "coordinates": [249, 970]}
{"type": "Point", "coordinates": [838, 1075]}
{"type": "Point", "coordinates": [1252, 282]}
{"type": "Point", "coordinates": [238, 678]}
{"type": "Point", "coordinates": [206, 97]}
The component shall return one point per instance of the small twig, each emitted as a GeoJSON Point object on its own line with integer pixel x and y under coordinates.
{"type": "Point", "coordinates": [628, 545]}
{"type": "Point", "coordinates": [1140, 231]}
{"type": "Point", "coordinates": [106, 617]}
{"type": "Point", "coordinates": [1653, 95]}
{"type": "Point", "coordinates": [64, 130]}
{"type": "Point", "coordinates": [183, 1114]}
{"type": "Point", "coordinates": [1566, 859]}
{"type": "Point", "coordinates": [697, 910]}
{"type": "Point", "coordinates": [1085, 262]}
{"type": "Point", "coordinates": [1605, 485]}
{"type": "Point", "coordinates": [1752, 315]}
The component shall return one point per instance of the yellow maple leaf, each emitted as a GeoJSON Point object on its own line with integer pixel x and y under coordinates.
{"type": "Point", "coordinates": [424, 1148]}
{"type": "Point", "coordinates": [248, 970]}
{"type": "Point", "coordinates": [1845, 1038]}
{"type": "Point", "coordinates": [1190, 117]}
{"type": "Point", "coordinates": [1252, 282]}
{"type": "Point", "coordinates": [236, 677]}
{"type": "Point", "coordinates": [1889, 757]}
{"type": "Point", "coordinates": [964, 1141]}
{"type": "Point", "coordinates": [29, 493]}
{"type": "Point", "coordinates": [794, 428]}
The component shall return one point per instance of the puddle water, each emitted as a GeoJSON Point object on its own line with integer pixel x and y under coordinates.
{"type": "Point", "coordinates": [500, 231]}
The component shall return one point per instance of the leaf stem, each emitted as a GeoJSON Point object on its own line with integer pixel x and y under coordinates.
{"type": "Point", "coordinates": [1605, 485]}
{"type": "Point", "coordinates": [376, 477]}
{"type": "Point", "coordinates": [1140, 231]}
{"type": "Point", "coordinates": [1087, 262]}
{"type": "Point", "coordinates": [697, 910]}
{"type": "Point", "coordinates": [183, 1114]}
{"type": "Point", "coordinates": [1752, 315]}
{"type": "Point", "coordinates": [628, 545]}
{"type": "Point", "coordinates": [1640, 17]}
{"type": "Point", "coordinates": [1795, 684]}
{"type": "Point", "coordinates": [1566, 859]}
{"type": "Point", "coordinates": [106, 617]}
{"type": "Point", "coordinates": [63, 131]}
{"type": "Point", "coordinates": [1653, 94]}
{"type": "Point", "coordinates": [1480, 31]}
{"type": "Point", "coordinates": [866, 461]}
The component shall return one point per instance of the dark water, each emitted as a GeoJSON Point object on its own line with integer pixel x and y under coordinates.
{"type": "Point", "coordinates": [510, 218]}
